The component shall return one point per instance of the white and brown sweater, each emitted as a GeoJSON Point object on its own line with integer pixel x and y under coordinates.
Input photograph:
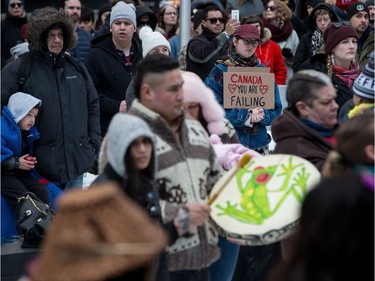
{"type": "Point", "coordinates": [187, 171]}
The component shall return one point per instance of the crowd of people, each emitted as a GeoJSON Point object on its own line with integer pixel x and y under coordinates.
{"type": "Point", "coordinates": [120, 95]}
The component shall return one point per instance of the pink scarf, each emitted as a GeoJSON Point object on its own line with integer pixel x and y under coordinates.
{"type": "Point", "coordinates": [348, 76]}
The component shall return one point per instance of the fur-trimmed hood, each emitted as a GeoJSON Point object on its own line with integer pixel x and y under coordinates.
{"type": "Point", "coordinates": [196, 91]}
{"type": "Point", "coordinates": [41, 20]}
{"type": "Point", "coordinates": [266, 35]}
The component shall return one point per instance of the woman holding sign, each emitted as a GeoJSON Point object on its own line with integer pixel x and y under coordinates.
{"type": "Point", "coordinates": [250, 124]}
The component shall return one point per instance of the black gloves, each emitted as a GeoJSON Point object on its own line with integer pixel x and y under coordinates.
{"type": "Point", "coordinates": [287, 53]}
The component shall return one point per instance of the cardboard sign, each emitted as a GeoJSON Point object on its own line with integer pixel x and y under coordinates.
{"type": "Point", "coordinates": [249, 88]}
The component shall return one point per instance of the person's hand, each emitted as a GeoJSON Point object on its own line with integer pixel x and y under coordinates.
{"type": "Point", "coordinates": [198, 213]}
{"type": "Point", "coordinates": [122, 106]}
{"type": "Point", "coordinates": [231, 26]}
{"type": "Point", "coordinates": [287, 53]}
{"type": "Point", "coordinates": [257, 115]}
{"type": "Point", "coordinates": [27, 162]}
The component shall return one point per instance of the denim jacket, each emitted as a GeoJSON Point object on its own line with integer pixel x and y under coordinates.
{"type": "Point", "coordinates": [252, 137]}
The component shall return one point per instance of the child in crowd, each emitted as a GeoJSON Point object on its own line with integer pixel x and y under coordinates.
{"type": "Point", "coordinates": [18, 135]}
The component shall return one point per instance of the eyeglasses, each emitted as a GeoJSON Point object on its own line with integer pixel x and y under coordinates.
{"type": "Point", "coordinates": [143, 23]}
{"type": "Point", "coordinates": [271, 8]}
{"type": "Point", "coordinates": [249, 42]}
{"type": "Point", "coordinates": [341, 23]}
{"type": "Point", "coordinates": [13, 5]}
{"type": "Point", "coordinates": [171, 13]}
{"type": "Point", "coordinates": [214, 20]}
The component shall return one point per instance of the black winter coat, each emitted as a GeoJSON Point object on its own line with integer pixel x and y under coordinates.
{"type": "Point", "coordinates": [68, 120]}
{"type": "Point", "coordinates": [111, 76]}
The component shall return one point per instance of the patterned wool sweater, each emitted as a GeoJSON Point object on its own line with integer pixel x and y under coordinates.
{"type": "Point", "coordinates": [187, 171]}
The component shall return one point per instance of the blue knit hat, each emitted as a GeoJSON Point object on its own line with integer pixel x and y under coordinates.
{"type": "Point", "coordinates": [364, 84]}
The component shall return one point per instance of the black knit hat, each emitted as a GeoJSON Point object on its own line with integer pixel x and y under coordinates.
{"type": "Point", "coordinates": [354, 8]}
{"type": "Point", "coordinates": [364, 84]}
{"type": "Point", "coordinates": [198, 17]}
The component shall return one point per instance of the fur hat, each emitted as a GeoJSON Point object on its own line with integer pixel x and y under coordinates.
{"type": "Point", "coordinates": [98, 234]}
{"type": "Point", "coordinates": [151, 39]}
{"type": "Point", "coordinates": [196, 91]}
{"type": "Point", "coordinates": [332, 36]}
{"type": "Point", "coordinates": [343, 4]}
{"type": "Point", "coordinates": [364, 84]}
{"type": "Point", "coordinates": [122, 131]}
{"type": "Point", "coordinates": [42, 20]}
{"type": "Point", "coordinates": [123, 11]}
{"type": "Point", "coordinates": [20, 104]}
{"type": "Point", "coordinates": [354, 8]}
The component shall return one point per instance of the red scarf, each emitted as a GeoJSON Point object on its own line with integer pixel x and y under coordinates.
{"type": "Point", "coordinates": [348, 76]}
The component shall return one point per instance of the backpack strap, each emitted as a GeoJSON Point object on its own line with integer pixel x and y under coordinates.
{"type": "Point", "coordinates": [24, 70]}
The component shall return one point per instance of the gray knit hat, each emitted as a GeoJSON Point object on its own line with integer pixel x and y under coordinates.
{"type": "Point", "coordinates": [364, 84]}
{"type": "Point", "coordinates": [123, 11]}
{"type": "Point", "coordinates": [122, 131]}
{"type": "Point", "coordinates": [20, 104]}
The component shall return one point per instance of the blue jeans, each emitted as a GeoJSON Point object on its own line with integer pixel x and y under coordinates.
{"type": "Point", "coordinates": [77, 183]}
{"type": "Point", "coordinates": [223, 268]}
{"type": "Point", "coordinates": [190, 275]}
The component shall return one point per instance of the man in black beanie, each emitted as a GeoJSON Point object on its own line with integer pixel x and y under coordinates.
{"type": "Point", "coordinates": [69, 120]}
{"type": "Point", "coordinates": [370, 5]}
{"type": "Point", "coordinates": [358, 15]}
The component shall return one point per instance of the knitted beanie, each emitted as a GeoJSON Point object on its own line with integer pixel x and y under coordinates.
{"type": "Point", "coordinates": [369, 3]}
{"type": "Point", "coordinates": [198, 17]}
{"type": "Point", "coordinates": [364, 84]}
{"type": "Point", "coordinates": [20, 104]}
{"type": "Point", "coordinates": [151, 39]}
{"type": "Point", "coordinates": [334, 35]}
{"type": "Point", "coordinates": [196, 91]}
{"type": "Point", "coordinates": [343, 4]}
{"type": "Point", "coordinates": [354, 8]}
{"type": "Point", "coordinates": [123, 11]}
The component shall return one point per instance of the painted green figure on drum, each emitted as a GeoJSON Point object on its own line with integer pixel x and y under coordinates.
{"type": "Point", "coordinates": [255, 205]}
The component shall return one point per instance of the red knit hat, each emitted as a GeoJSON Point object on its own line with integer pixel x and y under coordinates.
{"type": "Point", "coordinates": [343, 4]}
{"type": "Point", "coordinates": [334, 35]}
{"type": "Point", "coordinates": [248, 31]}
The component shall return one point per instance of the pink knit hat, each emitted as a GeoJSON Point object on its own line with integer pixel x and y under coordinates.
{"type": "Point", "coordinates": [196, 91]}
{"type": "Point", "coordinates": [343, 4]}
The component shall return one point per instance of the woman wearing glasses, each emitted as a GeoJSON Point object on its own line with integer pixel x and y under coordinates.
{"type": "Point", "coordinates": [11, 27]}
{"type": "Point", "coordinates": [168, 21]}
{"type": "Point", "coordinates": [340, 47]}
{"type": "Point", "coordinates": [277, 18]}
{"type": "Point", "coordinates": [251, 124]}
{"type": "Point", "coordinates": [311, 43]}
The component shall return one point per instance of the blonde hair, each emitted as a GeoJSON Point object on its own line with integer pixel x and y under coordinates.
{"type": "Point", "coordinates": [283, 12]}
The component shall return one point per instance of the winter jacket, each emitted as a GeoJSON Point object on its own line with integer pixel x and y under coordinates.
{"type": "Point", "coordinates": [10, 34]}
{"type": "Point", "coordinates": [83, 45]}
{"type": "Point", "coordinates": [187, 171]}
{"type": "Point", "coordinates": [318, 62]}
{"type": "Point", "coordinates": [294, 137]}
{"type": "Point", "coordinates": [365, 47]}
{"type": "Point", "coordinates": [204, 50]}
{"type": "Point", "coordinates": [111, 76]}
{"type": "Point", "coordinates": [11, 139]}
{"type": "Point", "coordinates": [269, 53]}
{"type": "Point", "coordinates": [252, 137]}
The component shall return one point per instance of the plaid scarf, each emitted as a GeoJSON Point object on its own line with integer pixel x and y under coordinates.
{"type": "Point", "coordinates": [234, 59]}
{"type": "Point", "coordinates": [348, 76]}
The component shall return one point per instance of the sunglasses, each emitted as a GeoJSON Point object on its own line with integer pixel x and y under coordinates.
{"type": "Point", "coordinates": [13, 5]}
{"type": "Point", "coordinates": [249, 42]}
{"type": "Point", "coordinates": [341, 23]}
{"type": "Point", "coordinates": [214, 20]}
{"type": "Point", "coordinates": [143, 23]}
{"type": "Point", "coordinates": [271, 8]}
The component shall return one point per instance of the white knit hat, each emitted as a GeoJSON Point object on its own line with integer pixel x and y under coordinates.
{"type": "Point", "coordinates": [151, 39]}
{"type": "Point", "coordinates": [20, 104]}
{"type": "Point", "coordinates": [123, 11]}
